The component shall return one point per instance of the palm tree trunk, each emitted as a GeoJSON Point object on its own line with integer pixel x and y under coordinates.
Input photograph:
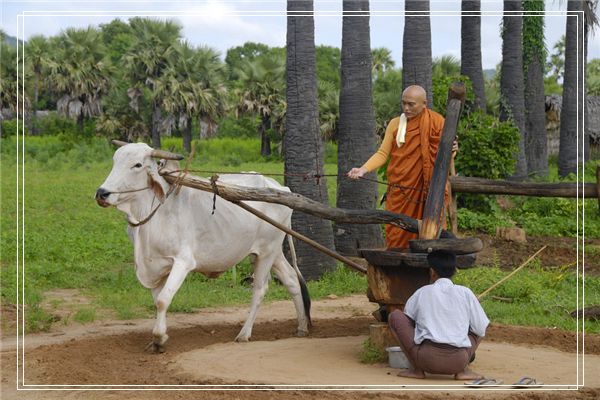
{"type": "Point", "coordinates": [36, 93]}
{"type": "Point", "coordinates": [187, 136]}
{"type": "Point", "coordinates": [470, 50]}
{"type": "Point", "coordinates": [356, 129]}
{"type": "Point", "coordinates": [416, 47]}
{"type": "Point", "coordinates": [265, 141]}
{"type": "Point", "coordinates": [534, 57]}
{"type": "Point", "coordinates": [573, 103]}
{"type": "Point", "coordinates": [536, 143]}
{"type": "Point", "coordinates": [512, 103]}
{"type": "Point", "coordinates": [80, 120]}
{"type": "Point", "coordinates": [302, 142]}
{"type": "Point", "coordinates": [155, 125]}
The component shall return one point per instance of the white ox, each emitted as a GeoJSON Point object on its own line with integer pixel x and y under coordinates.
{"type": "Point", "coordinates": [182, 236]}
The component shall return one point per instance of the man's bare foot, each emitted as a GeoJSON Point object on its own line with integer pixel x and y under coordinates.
{"type": "Point", "coordinates": [412, 373]}
{"type": "Point", "coordinates": [467, 375]}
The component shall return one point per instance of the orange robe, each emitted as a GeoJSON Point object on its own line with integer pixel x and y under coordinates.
{"type": "Point", "coordinates": [410, 169]}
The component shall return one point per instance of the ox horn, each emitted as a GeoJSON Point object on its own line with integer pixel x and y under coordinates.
{"type": "Point", "coordinates": [166, 155]}
{"type": "Point", "coordinates": [119, 143]}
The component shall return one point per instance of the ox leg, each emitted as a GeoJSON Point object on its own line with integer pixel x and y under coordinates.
{"type": "Point", "coordinates": [162, 300]}
{"type": "Point", "coordinates": [287, 275]}
{"type": "Point", "coordinates": [262, 268]}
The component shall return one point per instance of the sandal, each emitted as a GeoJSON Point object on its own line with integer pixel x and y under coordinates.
{"type": "Point", "coordinates": [527, 382]}
{"type": "Point", "coordinates": [484, 382]}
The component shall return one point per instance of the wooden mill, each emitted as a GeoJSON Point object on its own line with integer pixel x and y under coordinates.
{"type": "Point", "coordinates": [393, 274]}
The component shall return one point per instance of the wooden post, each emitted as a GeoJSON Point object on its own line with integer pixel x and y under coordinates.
{"type": "Point", "coordinates": [452, 204]}
{"type": "Point", "coordinates": [434, 205]}
{"type": "Point", "coordinates": [598, 184]}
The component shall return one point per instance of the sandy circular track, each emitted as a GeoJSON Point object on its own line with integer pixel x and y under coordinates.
{"type": "Point", "coordinates": [112, 354]}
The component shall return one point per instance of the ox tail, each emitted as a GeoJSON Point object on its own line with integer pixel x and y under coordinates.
{"type": "Point", "coordinates": [301, 281]}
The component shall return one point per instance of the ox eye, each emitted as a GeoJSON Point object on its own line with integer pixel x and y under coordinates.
{"type": "Point", "coordinates": [138, 165]}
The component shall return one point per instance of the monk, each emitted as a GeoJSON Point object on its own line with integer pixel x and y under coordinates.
{"type": "Point", "coordinates": [411, 144]}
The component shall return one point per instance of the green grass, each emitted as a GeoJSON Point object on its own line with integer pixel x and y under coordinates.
{"type": "Point", "coordinates": [371, 354]}
{"type": "Point", "coordinates": [70, 242]}
{"type": "Point", "coordinates": [84, 315]}
{"type": "Point", "coordinates": [537, 296]}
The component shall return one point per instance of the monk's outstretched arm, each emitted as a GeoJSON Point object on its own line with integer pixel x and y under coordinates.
{"type": "Point", "coordinates": [381, 156]}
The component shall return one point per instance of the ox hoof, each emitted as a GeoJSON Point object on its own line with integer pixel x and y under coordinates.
{"type": "Point", "coordinates": [301, 333]}
{"type": "Point", "coordinates": [155, 348]}
{"type": "Point", "coordinates": [242, 339]}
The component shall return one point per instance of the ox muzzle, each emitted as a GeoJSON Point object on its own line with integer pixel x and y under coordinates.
{"type": "Point", "coordinates": [102, 196]}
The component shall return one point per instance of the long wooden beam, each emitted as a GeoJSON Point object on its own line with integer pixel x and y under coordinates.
{"type": "Point", "coordinates": [433, 212]}
{"type": "Point", "coordinates": [351, 263]}
{"type": "Point", "coordinates": [296, 202]}
{"type": "Point", "coordinates": [463, 184]}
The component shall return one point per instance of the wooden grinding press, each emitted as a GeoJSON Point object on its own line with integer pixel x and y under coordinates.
{"type": "Point", "coordinates": [395, 274]}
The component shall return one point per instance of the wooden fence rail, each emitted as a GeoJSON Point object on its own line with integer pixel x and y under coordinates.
{"type": "Point", "coordinates": [462, 184]}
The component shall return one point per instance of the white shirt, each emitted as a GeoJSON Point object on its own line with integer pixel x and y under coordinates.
{"type": "Point", "coordinates": [444, 313]}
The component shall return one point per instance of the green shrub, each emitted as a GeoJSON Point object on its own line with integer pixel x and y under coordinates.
{"type": "Point", "coordinates": [440, 88]}
{"type": "Point", "coordinates": [487, 146]}
{"type": "Point", "coordinates": [371, 354]}
{"type": "Point", "coordinates": [243, 127]}
{"type": "Point", "coordinates": [9, 128]}
{"type": "Point", "coordinates": [486, 149]}
{"type": "Point", "coordinates": [480, 221]}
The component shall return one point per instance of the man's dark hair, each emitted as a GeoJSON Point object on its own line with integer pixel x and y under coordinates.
{"type": "Point", "coordinates": [443, 263]}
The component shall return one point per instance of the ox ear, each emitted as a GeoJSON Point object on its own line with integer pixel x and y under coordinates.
{"type": "Point", "coordinates": [157, 183]}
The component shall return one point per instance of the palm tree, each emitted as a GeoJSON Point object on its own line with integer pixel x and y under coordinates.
{"type": "Point", "coordinates": [382, 61]}
{"type": "Point", "coordinates": [11, 88]}
{"type": "Point", "coordinates": [387, 95]}
{"type": "Point", "coordinates": [416, 47]}
{"type": "Point", "coordinates": [470, 49]}
{"type": "Point", "coordinates": [329, 109]}
{"type": "Point", "coordinates": [356, 133]}
{"type": "Point", "coordinates": [146, 61]}
{"type": "Point", "coordinates": [303, 148]}
{"type": "Point", "coordinates": [261, 90]}
{"type": "Point", "coordinates": [80, 73]}
{"type": "Point", "coordinates": [534, 60]}
{"type": "Point", "coordinates": [37, 59]}
{"type": "Point", "coordinates": [512, 102]}
{"type": "Point", "coordinates": [446, 65]}
{"type": "Point", "coordinates": [212, 75]}
{"type": "Point", "coordinates": [572, 113]}
{"type": "Point", "coordinates": [190, 88]}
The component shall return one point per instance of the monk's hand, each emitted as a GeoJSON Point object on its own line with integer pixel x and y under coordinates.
{"type": "Point", "coordinates": [454, 147]}
{"type": "Point", "coordinates": [356, 173]}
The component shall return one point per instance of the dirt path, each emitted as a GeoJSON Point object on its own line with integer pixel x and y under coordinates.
{"type": "Point", "coordinates": [111, 353]}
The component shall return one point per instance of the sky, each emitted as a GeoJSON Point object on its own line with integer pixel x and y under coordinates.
{"type": "Point", "coordinates": [223, 24]}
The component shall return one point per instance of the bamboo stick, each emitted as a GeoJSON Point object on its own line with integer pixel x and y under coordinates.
{"type": "Point", "coordinates": [485, 292]}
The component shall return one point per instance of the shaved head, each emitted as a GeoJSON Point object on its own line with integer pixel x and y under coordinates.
{"type": "Point", "coordinates": [415, 91]}
{"type": "Point", "coordinates": [414, 101]}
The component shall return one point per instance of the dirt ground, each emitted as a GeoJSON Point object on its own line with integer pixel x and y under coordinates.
{"type": "Point", "coordinates": [200, 352]}
{"type": "Point", "coordinates": [561, 251]}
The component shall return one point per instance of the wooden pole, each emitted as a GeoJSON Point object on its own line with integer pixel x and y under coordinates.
{"type": "Point", "coordinates": [464, 184]}
{"type": "Point", "coordinates": [452, 207]}
{"type": "Point", "coordinates": [299, 236]}
{"type": "Point", "coordinates": [434, 205]}
{"type": "Point", "coordinates": [485, 292]}
{"type": "Point", "coordinates": [294, 201]}
{"type": "Point", "coordinates": [598, 184]}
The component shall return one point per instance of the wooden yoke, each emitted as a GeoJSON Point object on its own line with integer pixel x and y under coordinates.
{"type": "Point", "coordinates": [433, 213]}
